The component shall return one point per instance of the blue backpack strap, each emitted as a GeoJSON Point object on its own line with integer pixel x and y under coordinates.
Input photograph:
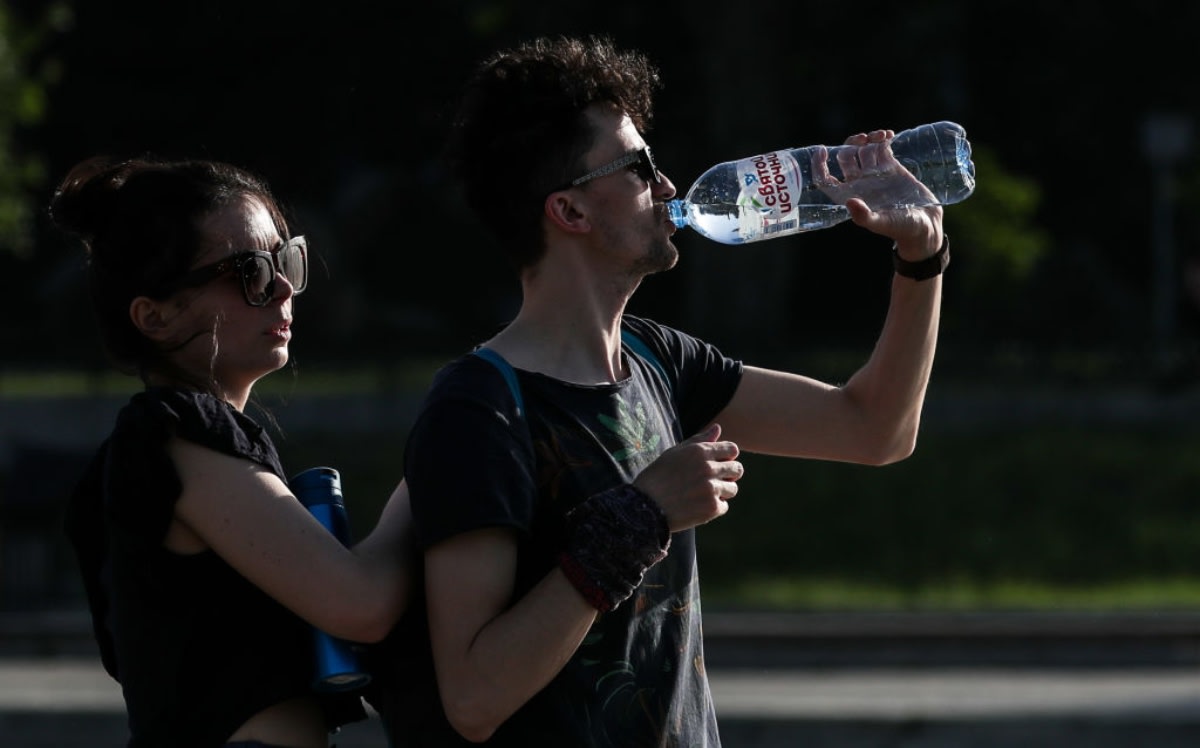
{"type": "Point", "coordinates": [506, 370]}
{"type": "Point", "coordinates": [638, 346]}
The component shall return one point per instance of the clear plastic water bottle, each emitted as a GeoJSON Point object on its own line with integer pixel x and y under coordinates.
{"type": "Point", "coordinates": [319, 489]}
{"type": "Point", "coordinates": [804, 189]}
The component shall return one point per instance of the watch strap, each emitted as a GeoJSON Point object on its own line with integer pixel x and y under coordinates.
{"type": "Point", "coordinates": [930, 267]}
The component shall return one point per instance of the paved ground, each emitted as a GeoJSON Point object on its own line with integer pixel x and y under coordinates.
{"type": "Point", "coordinates": [55, 686]}
{"type": "Point", "coordinates": [818, 681]}
{"type": "Point", "coordinates": [69, 701]}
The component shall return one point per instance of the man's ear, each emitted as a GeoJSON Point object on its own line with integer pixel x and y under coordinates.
{"type": "Point", "coordinates": [150, 317]}
{"type": "Point", "coordinates": [563, 212]}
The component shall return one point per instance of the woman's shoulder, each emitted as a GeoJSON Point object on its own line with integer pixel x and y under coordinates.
{"type": "Point", "coordinates": [201, 418]}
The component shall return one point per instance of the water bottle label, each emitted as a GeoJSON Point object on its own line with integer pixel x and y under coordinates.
{"type": "Point", "coordinates": [770, 185]}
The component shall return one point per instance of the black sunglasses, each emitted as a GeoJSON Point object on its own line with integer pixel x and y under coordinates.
{"type": "Point", "coordinates": [257, 271]}
{"type": "Point", "coordinates": [640, 160]}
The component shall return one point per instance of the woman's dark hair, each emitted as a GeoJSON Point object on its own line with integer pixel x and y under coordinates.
{"type": "Point", "coordinates": [140, 221]}
{"type": "Point", "coordinates": [521, 128]}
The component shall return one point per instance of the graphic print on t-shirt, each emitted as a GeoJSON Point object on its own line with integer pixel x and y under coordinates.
{"type": "Point", "coordinates": [632, 430]}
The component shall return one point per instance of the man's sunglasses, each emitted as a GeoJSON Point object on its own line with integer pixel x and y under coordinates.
{"type": "Point", "coordinates": [257, 270]}
{"type": "Point", "coordinates": [640, 160]}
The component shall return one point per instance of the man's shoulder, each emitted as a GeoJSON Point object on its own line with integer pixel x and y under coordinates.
{"type": "Point", "coordinates": [641, 325]}
{"type": "Point", "coordinates": [467, 378]}
{"type": "Point", "coordinates": [467, 367]}
{"type": "Point", "coordinates": [654, 332]}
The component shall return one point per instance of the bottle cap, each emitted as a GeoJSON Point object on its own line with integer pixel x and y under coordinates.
{"type": "Point", "coordinates": [318, 485]}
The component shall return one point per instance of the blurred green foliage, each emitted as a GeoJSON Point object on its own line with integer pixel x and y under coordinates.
{"type": "Point", "coordinates": [25, 80]}
{"type": "Point", "coordinates": [1010, 516]}
{"type": "Point", "coordinates": [998, 227]}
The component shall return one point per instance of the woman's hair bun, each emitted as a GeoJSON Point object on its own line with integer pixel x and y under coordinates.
{"type": "Point", "coordinates": [85, 198]}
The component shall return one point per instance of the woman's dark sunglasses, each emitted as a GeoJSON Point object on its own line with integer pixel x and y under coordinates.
{"type": "Point", "coordinates": [257, 270]}
{"type": "Point", "coordinates": [640, 161]}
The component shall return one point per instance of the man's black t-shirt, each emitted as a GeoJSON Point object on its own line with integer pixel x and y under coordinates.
{"type": "Point", "coordinates": [473, 462]}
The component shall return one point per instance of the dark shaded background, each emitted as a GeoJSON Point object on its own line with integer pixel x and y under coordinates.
{"type": "Point", "coordinates": [342, 107]}
{"type": "Point", "coordinates": [1058, 441]}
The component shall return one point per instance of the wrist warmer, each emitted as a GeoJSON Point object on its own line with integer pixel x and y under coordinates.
{"type": "Point", "coordinates": [612, 539]}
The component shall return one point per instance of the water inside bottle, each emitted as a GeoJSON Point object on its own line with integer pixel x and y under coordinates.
{"type": "Point", "coordinates": [738, 224]}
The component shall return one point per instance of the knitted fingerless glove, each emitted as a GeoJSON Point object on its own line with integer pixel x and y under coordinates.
{"type": "Point", "coordinates": [612, 539]}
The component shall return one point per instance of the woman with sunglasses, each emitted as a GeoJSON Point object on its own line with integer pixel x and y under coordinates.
{"type": "Point", "coordinates": [205, 575]}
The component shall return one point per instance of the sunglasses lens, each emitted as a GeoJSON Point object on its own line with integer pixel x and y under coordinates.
{"type": "Point", "coordinates": [293, 263]}
{"type": "Point", "coordinates": [257, 279]}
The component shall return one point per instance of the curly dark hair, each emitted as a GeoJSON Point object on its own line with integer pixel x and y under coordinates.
{"type": "Point", "coordinates": [521, 128]}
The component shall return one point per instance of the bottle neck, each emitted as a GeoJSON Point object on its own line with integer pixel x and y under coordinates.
{"type": "Point", "coordinates": [677, 210]}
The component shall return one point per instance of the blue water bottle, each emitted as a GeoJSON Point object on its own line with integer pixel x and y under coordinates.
{"type": "Point", "coordinates": [319, 489]}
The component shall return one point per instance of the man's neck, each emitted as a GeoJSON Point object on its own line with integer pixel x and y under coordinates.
{"type": "Point", "coordinates": [573, 335]}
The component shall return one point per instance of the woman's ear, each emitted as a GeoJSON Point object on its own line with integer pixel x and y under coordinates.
{"type": "Point", "coordinates": [561, 209]}
{"type": "Point", "coordinates": [150, 317]}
